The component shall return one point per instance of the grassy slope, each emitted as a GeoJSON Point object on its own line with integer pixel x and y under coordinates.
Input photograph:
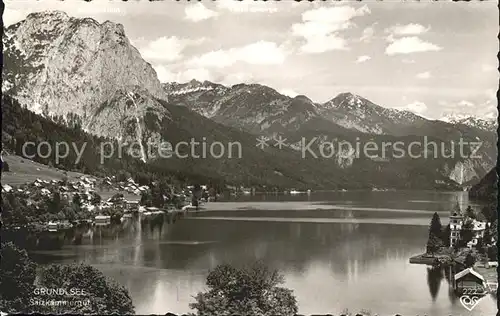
{"type": "Point", "coordinates": [23, 171]}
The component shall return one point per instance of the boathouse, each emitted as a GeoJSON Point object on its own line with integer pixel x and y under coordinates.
{"type": "Point", "coordinates": [469, 279]}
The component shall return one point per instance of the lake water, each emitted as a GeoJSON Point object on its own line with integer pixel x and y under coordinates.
{"type": "Point", "coordinates": [337, 251]}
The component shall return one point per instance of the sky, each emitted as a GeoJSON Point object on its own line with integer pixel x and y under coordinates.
{"type": "Point", "coordinates": [432, 58]}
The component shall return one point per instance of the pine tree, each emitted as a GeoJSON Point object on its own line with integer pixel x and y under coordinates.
{"type": "Point", "coordinates": [470, 260]}
{"type": "Point", "coordinates": [435, 227]}
{"type": "Point", "coordinates": [433, 244]}
{"type": "Point", "coordinates": [469, 212]}
{"type": "Point", "coordinates": [435, 234]}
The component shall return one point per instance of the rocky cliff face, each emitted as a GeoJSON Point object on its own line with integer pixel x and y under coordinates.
{"type": "Point", "coordinates": [465, 171]}
{"type": "Point", "coordinates": [64, 66]}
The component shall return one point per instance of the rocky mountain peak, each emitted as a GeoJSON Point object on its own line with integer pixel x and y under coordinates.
{"type": "Point", "coordinates": [48, 15]}
{"type": "Point", "coordinates": [80, 69]}
{"type": "Point", "coordinates": [91, 60]}
{"type": "Point", "coordinates": [302, 98]}
{"type": "Point", "coordinates": [195, 82]}
{"type": "Point", "coordinates": [347, 100]}
{"type": "Point", "coordinates": [193, 86]}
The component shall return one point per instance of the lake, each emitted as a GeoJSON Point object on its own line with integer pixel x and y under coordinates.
{"type": "Point", "coordinates": [337, 250]}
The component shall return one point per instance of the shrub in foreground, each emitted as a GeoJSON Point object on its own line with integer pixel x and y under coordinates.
{"type": "Point", "coordinates": [86, 289]}
{"type": "Point", "coordinates": [252, 290]}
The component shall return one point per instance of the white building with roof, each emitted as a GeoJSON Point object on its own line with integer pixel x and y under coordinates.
{"type": "Point", "coordinates": [6, 188]}
{"type": "Point", "coordinates": [456, 226]}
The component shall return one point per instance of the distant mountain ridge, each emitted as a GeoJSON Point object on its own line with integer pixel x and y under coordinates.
{"type": "Point", "coordinates": [258, 108]}
{"type": "Point", "coordinates": [99, 82]}
{"type": "Point", "coordinates": [470, 120]}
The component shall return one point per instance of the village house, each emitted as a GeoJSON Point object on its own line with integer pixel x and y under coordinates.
{"type": "Point", "coordinates": [102, 219]}
{"type": "Point", "coordinates": [478, 229]}
{"type": "Point", "coordinates": [52, 226]}
{"type": "Point", "coordinates": [106, 205]}
{"type": "Point", "coordinates": [132, 205]}
{"type": "Point", "coordinates": [6, 188]}
{"type": "Point", "coordinates": [456, 225]}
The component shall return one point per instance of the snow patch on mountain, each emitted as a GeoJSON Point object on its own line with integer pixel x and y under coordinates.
{"type": "Point", "coordinates": [470, 120]}
{"type": "Point", "coordinates": [190, 90]}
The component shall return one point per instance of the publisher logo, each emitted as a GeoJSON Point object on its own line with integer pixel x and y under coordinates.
{"type": "Point", "coordinates": [469, 302]}
{"type": "Point", "coordinates": [472, 297]}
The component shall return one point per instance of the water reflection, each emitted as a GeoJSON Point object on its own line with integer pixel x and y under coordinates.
{"type": "Point", "coordinates": [330, 266]}
{"type": "Point", "coordinates": [434, 278]}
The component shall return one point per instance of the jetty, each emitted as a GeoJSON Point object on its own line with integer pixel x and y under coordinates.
{"type": "Point", "coordinates": [433, 260]}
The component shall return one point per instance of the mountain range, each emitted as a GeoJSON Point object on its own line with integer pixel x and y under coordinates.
{"type": "Point", "coordinates": [488, 125]}
{"type": "Point", "coordinates": [261, 109]}
{"type": "Point", "coordinates": [86, 74]}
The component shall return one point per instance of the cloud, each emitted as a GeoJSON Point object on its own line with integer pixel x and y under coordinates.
{"type": "Point", "coordinates": [334, 15]}
{"type": "Point", "coordinates": [408, 61]}
{"type": "Point", "coordinates": [167, 48]}
{"type": "Point", "coordinates": [216, 59]}
{"type": "Point", "coordinates": [408, 29]}
{"type": "Point", "coordinates": [408, 45]}
{"type": "Point", "coordinates": [491, 115]}
{"type": "Point", "coordinates": [320, 27]}
{"type": "Point", "coordinates": [258, 53]}
{"type": "Point", "coordinates": [289, 92]}
{"type": "Point", "coordinates": [324, 44]}
{"type": "Point", "coordinates": [200, 74]}
{"type": "Point", "coordinates": [416, 107]}
{"type": "Point", "coordinates": [247, 6]}
{"type": "Point", "coordinates": [481, 108]}
{"type": "Point", "coordinates": [423, 75]}
{"type": "Point", "coordinates": [487, 67]}
{"type": "Point", "coordinates": [166, 75]}
{"type": "Point", "coordinates": [362, 59]}
{"type": "Point", "coordinates": [367, 34]}
{"type": "Point", "coordinates": [491, 93]}
{"type": "Point", "coordinates": [235, 78]}
{"type": "Point", "coordinates": [465, 103]}
{"type": "Point", "coordinates": [198, 12]}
